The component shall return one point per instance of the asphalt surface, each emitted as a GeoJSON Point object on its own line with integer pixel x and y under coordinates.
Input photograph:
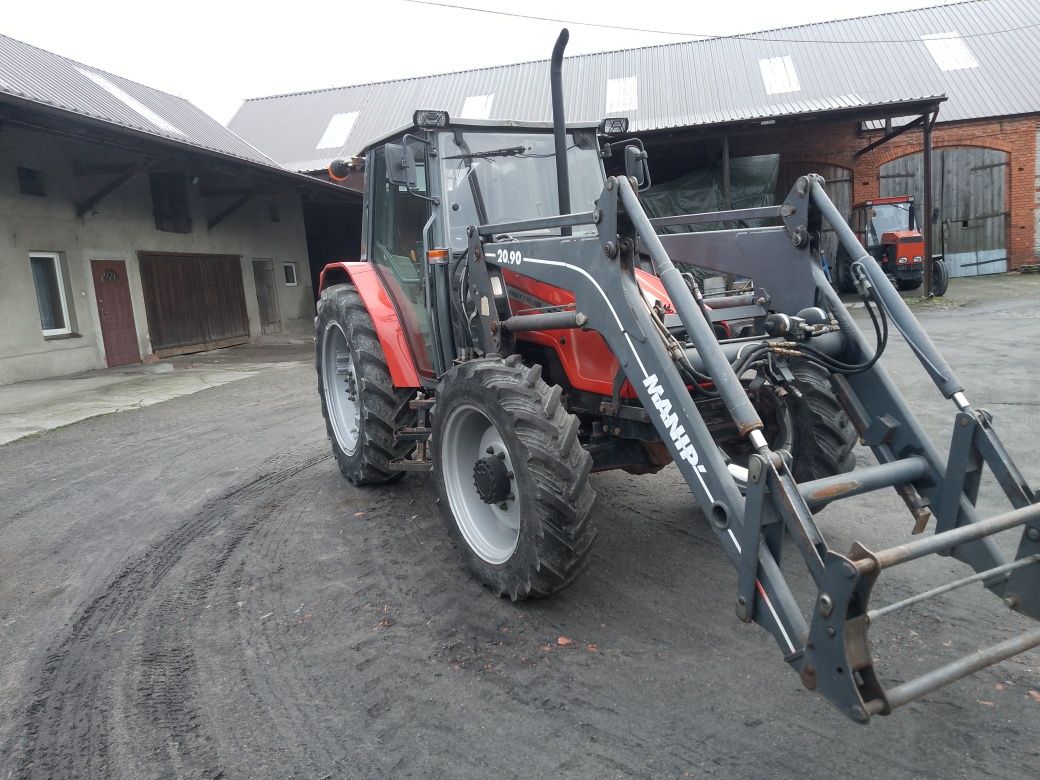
{"type": "Point", "coordinates": [191, 590]}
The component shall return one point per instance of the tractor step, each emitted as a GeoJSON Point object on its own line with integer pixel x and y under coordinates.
{"type": "Point", "coordinates": [412, 434]}
{"type": "Point", "coordinates": [407, 464]}
{"type": "Point", "coordinates": [420, 459]}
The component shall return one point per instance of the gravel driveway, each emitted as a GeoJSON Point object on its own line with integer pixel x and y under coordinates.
{"type": "Point", "coordinates": [191, 590]}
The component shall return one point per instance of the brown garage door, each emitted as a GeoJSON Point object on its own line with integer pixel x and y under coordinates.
{"type": "Point", "coordinates": [193, 302]}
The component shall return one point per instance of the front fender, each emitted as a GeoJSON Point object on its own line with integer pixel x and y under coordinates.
{"type": "Point", "coordinates": [387, 323]}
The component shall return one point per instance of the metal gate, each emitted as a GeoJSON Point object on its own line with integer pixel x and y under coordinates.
{"type": "Point", "coordinates": [839, 188]}
{"type": "Point", "coordinates": [970, 187]}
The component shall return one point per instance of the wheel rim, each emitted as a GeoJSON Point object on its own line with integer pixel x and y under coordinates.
{"type": "Point", "coordinates": [490, 531]}
{"type": "Point", "coordinates": [341, 388]}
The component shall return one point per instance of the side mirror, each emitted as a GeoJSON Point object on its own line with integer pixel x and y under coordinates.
{"type": "Point", "coordinates": [339, 169]}
{"type": "Point", "coordinates": [400, 165]}
{"type": "Point", "coordinates": [635, 164]}
{"type": "Point", "coordinates": [935, 216]}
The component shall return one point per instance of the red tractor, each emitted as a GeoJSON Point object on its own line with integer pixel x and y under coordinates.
{"type": "Point", "coordinates": [517, 322]}
{"type": "Point", "coordinates": [888, 229]}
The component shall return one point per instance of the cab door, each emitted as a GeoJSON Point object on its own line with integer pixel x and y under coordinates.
{"type": "Point", "coordinates": [394, 245]}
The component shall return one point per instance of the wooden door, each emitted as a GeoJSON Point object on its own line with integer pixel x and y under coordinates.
{"type": "Point", "coordinates": [970, 191]}
{"type": "Point", "coordinates": [115, 312]}
{"type": "Point", "coordinates": [193, 302]}
{"type": "Point", "coordinates": [267, 297]}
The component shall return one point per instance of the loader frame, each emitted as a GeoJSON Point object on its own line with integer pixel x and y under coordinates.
{"type": "Point", "coordinates": [830, 651]}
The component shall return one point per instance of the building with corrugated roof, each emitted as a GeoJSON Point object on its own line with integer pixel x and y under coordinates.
{"type": "Point", "coordinates": [819, 95]}
{"type": "Point", "coordinates": [135, 225]}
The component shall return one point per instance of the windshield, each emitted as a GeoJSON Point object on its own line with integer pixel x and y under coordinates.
{"type": "Point", "coordinates": [888, 218]}
{"type": "Point", "coordinates": [505, 177]}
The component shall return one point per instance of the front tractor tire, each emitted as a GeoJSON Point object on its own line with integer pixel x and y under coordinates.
{"type": "Point", "coordinates": [841, 273]}
{"type": "Point", "coordinates": [512, 478]}
{"type": "Point", "coordinates": [813, 427]}
{"type": "Point", "coordinates": [806, 421]}
{"type": "Point", "coordinates": [359, 402]}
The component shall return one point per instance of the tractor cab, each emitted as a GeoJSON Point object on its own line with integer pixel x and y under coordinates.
{"type": "Point", "coordinates": [426, 185]}
{"type": "Point", "coordinates": [888, 230]}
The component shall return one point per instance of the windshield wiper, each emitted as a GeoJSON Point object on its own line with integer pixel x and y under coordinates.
{"type": "Point", "coordinates": [509, 151]}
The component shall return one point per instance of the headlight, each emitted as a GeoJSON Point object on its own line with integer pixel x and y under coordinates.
{"type": "Point", "coordinates": [902, 261]}
{"type": "Point", "coordinates": [426, 118]}
{"type": "Point", "coordinates": [918, 259]}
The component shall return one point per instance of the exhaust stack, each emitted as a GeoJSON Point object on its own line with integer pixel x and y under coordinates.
{"type": "Point", "coordinates": [563, 184]}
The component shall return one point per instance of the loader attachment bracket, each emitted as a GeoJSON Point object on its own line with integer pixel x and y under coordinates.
{"type": "Point", "coordinates": [838, 663]}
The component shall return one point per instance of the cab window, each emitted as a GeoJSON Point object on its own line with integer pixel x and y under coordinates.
{"type": "Point", "coordinates": [395, 248]}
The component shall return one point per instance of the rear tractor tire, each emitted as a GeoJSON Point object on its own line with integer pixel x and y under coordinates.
{"type": "Point", "coordinates": [512, 478]}
{"type": "Point", "coordinates": [359, 402]}
{"type": "Point", "coordinates": [940, 277]}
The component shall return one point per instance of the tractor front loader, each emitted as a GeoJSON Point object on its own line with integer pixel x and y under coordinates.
{"type": "Point", "coordinates": [511, 345]}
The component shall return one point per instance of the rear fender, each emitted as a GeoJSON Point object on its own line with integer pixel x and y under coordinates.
{"type": "Point", "coordinates": [391, 334]}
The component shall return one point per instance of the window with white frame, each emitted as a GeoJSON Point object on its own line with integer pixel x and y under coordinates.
{"type": "Point", "coordinates": [51, 297]}
{"type": "Point", "coordinates": [289, 270]}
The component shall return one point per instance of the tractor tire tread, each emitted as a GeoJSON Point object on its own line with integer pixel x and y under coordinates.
{"type": "Point", "coordinates": [384, 408]}
{"type": "Point", "coordinates": [831, 448]}
{"type": "Point", "coordinates": [563, 497]}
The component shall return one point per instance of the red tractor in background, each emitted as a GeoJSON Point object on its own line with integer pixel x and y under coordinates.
{"type": "Point", "coordinates": [888, 229]}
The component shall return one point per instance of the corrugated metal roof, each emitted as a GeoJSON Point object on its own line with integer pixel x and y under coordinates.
{"type": "Point", "coordinates": [834, 65]}
{"type": "Point", "coordinates": [39, 76]}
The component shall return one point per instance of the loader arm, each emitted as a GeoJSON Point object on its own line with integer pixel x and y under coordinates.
{"type": "Point", "coordinates": [831, 651]}
{"type": "Point", "coordinates": [600, 273]}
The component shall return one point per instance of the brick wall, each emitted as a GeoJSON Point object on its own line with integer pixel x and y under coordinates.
{"type": "Point", "coordinates": [836, 143]}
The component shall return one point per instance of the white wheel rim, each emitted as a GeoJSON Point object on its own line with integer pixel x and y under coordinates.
{"type": "Point", "coordinates": [341, 388]}
{"type": "Point", "coordinates": [490, 531]}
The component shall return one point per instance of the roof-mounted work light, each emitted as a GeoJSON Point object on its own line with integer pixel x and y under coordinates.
{"type": "Point", "coordinates": [614, 125]}
{"type": "Point", "coordinates": [424, 118]}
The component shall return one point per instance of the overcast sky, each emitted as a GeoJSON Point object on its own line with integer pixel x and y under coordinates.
{"type": "Point", "coordinates": [216, 54]}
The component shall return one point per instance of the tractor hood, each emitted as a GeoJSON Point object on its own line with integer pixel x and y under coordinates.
{"type": "Point", "coordinates": [902, 237]}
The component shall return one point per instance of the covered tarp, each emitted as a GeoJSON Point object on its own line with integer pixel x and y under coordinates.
{"type": "Point", "coordinates": [752, 184]}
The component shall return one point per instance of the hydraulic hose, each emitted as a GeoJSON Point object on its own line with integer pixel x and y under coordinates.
{"type": "Point", "coordinates": [718, 367]}
{"type": "Point", "coordinates": [888, 298]}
